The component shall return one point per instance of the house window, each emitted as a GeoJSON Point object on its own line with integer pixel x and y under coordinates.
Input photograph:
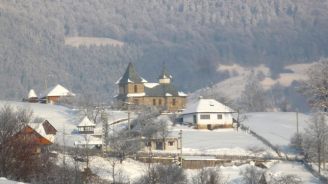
{"type": "Point", "coordinates": [171, 143]}
{"type": "Point", "coordinates": [135, 88]}
{"type": "Point", "coordinates": [219, 116]}
{"type": "Point", "coordinates": [205, 116]}
{"type": "Point", "coordinates": [154, 101]}
{"type": "Point", "coordinates": [173, 101]}
{"type": "Point", "coordinates": [160, 102]}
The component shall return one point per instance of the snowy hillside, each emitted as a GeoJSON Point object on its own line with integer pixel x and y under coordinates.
{"type": "Point", "coordinates": [234, 85]}
{"type": "Point", "coordinates": [276, 127]}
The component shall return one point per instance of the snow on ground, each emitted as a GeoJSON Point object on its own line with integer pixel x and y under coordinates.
{"type": "Point", "coordinates": [219, 142]}
{"type": "Point", "coordinates": [6, 181]}
{"type": "Point", "coordinates": [292, 168]}
{"type": "Point", "coordinates": [133, 170]}
{"type": "Point", "coordinates": [234, 85]}
{"type": "Point", "coordinates": [102, 167]}
{"type": "Point", "coordinates": [276, 127]}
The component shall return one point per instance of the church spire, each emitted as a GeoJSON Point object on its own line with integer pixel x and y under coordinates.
{"type": "Point", "coordinates": [165, 77]}
{"type": "Point", "coordinates": [130, 76]}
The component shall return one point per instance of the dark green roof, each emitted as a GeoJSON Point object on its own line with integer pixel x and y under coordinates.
{"type": "Point", "coordinates": [161, 90]}
{"type": "Point", "coordinates": [130, 76]}
{"type": "Point", "coordinates": [165, 74]}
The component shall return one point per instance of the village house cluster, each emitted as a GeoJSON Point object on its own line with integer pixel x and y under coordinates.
{"type": "Point", "coordinates": [51, 95]}
{"type": "Point", "coordinates": [134, 90]}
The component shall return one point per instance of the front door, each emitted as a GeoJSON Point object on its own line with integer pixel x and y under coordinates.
{"type": "Point", "coordinates": [195, 119]}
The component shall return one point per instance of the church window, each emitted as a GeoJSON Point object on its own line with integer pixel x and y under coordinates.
{"type": "Point", "coordinates": [135, 88]}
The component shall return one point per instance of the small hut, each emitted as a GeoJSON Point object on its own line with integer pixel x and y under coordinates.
{"type": "Point", "coordinates": [32, 97]}
{"type": "Point", "coordinates": [86, 126]}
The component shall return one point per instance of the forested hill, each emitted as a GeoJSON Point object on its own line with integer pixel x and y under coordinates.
{"type": "Point", "coordinates": [191, 36]}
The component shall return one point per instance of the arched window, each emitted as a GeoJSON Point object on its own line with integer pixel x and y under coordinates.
{"type": "Point", "coordinates": [135, 88]}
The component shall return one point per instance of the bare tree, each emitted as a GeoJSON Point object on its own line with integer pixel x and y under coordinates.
{"type": "Point", "coordinates": [90, 107]}
{"type": "Point", "coordinates": [296, 141]}
{"type": "Point", "coordinates": [316, 86]}
{"type": "Point", "coordinates": [161, 174]}
{"type": "Point", "coordinates": [123, 144]}
{"type": "Point", "coordinates": [163, 131]}
{"type": "Point", "coordinates": [251, 175]}
{"type": "Point", "coordinates": [315, 139]}
{"type": "Point", "coordinates": [209, 176]}
{"type": "Point", "coordinates": [17, 156]}
{"type": "Point", "coordinates": [253, 97]}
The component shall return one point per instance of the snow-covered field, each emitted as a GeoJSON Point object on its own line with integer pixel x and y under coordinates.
{"type": "Point", "coordinates": [220, 142]}
{"type": "Point", "coordinates": [276, 127]}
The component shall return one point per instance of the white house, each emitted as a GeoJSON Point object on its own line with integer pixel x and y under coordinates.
{"type": "Point", "coordinates": [208, 113]}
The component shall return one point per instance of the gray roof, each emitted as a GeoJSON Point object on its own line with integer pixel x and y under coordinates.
{"type": "Point", "coordinates": [165, 74]}
{"type": "Point", "coordinates": [161, 90]}
{"type": "Point", "coordinates": [130, 76]}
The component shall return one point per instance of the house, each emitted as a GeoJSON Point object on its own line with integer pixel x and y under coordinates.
{"type": "Point", "coordinates": [86, 126]}
{"type": "Point", "coordinates": [35, 137]}
{"type": "Point", "coordinates": [134, 89]}
{"type": "Point", "coordinates": [53, 95]}
{"type": "Point", "coordinates": [208, 114]}
{"type": "Point", "coordinates": [32, 97]}
{"type": "Point", "coordinates": [45, 129]}
{"type": "Point", "coordinates": [167, 144]}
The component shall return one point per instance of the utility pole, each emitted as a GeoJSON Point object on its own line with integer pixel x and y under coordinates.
{"type": "Point", "coordinates": [297, 128]}
{"type": "Point", "coordinates": [180, 137]}
{"type": "Point", "coordinates": [129, 118]}
{"type": "Point", "coordinates": [104, 119]}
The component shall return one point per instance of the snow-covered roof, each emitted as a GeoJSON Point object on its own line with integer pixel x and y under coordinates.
{"type": "Point", "coordinates": [182, 93]}
{"type": "Point", "coordinates": [38, 127]}
{"type": "Point", "coordinates": [143, 80]}
{"type": "Point", "coordinates": [58, 90]}
{"type": "Point", "coordinates": [168, 94]}
{"type": "Point", "coordinates": [151, 85]}
{"type": "Point", "coordinates": [86, 122]}
{"type": "Point", "coordinates": [32, 94]}
{"type": "Point", "coordinates": [118, 81]}
{"type": "Point", "coordinates": [207, 105]}
{"type": "Point", "coordinates": [136, 94]}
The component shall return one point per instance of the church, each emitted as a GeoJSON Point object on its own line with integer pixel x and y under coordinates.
{"type": "Point", "coordinates": [135, 90]}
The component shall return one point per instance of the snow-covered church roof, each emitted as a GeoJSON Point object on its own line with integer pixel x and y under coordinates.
{"type": "Point", "coordinates": [57, 90]}
{"type": "Point", "coordinates": [86, 122]}
{"type": "Point", "coordinates": [32, 94]}
{"type": "Point", "coordinates": [207, 106]}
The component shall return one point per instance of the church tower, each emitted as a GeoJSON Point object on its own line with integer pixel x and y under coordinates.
{"type": "Point", "coordinates": [130, 83]}
{"type": "Point", "coordinates": [165, 77]}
